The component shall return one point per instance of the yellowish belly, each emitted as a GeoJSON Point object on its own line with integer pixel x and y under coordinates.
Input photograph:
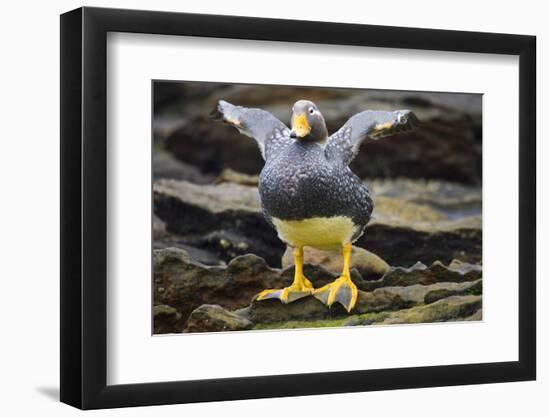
{"type": "Point", "coordinates": [326, 233]}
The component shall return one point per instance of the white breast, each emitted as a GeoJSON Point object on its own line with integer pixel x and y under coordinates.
{"type": "Point", "coordinates": [326, 233]}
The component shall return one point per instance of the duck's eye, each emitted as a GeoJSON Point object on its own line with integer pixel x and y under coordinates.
{"type": "Point", "coordinates": [311, 110]}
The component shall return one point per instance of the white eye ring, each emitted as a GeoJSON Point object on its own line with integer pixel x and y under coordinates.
{"type": "Point", "coordinates": [311, 110]}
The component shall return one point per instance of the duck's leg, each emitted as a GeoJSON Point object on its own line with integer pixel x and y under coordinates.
{"type": "Point", "coordinates": [342, 290]}
{"type": "Point", "coordinates": [301, 287]}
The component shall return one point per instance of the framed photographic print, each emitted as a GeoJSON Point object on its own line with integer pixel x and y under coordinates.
{"type": "Point", "coordinates": [257, 208]}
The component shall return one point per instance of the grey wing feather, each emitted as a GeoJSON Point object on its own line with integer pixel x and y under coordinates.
{"type": "Point", "coordinates": [344, 144]}
{"type": "Point", "coordinates": [269, 132]}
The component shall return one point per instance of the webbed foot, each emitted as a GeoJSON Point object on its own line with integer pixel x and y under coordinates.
{"type": "Point", "coordinates": [342, 290]}
{"type": "Point", "coordinates": [297, 290]}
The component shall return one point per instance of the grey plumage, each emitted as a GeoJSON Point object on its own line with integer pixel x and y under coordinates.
{"type": "Point", "coordinates": [344, 144]}
{"type": "Point", "coordinates": [269, 132]}
{"type": "Point", "coordinates": [309, 177]}
{"type": "Point", "coordinates": [300, 183]}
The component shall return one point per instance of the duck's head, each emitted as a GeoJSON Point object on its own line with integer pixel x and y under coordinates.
{"type": "Point", "coordinates": [307, 122]}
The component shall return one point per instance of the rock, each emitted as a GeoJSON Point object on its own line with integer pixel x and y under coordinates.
{"type": "Point", "coordinates": [166, 166]}
{"type": "Point", "coordinates": [447, 146]}
{"type": "Point", "coordinates": [452, 199]}
{"type": "Point", "coordinates": [418, 293]}
{"type": "Point", "coordinates": [309, 308]}
{"type": "Point", "coordinates": [165, 318]}
{"type": "Point", "coordinates": [421, 274]}
{"type": "Point", "coordinates": [226, 219]}
{"type": "Point", "coordinates": [477, 316]}
{"type": "Point", "coordinates": [448, 309]}
{"type": "Point", "coordinates": [382, 300]}
{"type": "Point", "coordinates": [159, 228]}
{"type": "Point", "coordinates": [213, 146]}
{"type": "Point", "coordinates": [366, 263]}
{"type": "Point", "coordinates": [223, 218]}
{"type": "Point", "coordinates": [228, 244]}
{"type": "Point", "coordinates": [229, 175]}
{"type": "Point", "coordinates": [402, 242]}
{"type": "Point", "coordinates": [473, 288]}
{"type": "Point", "coordinates": [370, 302]}
{"type": "Point", "coordinates": [213, 318]}
{"type": "Point", "coordinates": [182, 285]}
{"type": "Point", "coordinates": [185, 284]}
{"type": "Point", "coordinates": [396, 212]}
{"type": "Point", "coordinates": [196, 254]}
{"type": "Point", "coordinates": [215, 199]}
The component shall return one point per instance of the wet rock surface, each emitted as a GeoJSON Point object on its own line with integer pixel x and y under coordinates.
{"type": "Point", "coordinates": [192, 297]}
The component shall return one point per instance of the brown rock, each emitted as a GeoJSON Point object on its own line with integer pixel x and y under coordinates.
{"type": "Point", "coordinates": [213, 318]}
{"type": "Point", "coordinates": [447, 145]}
{"type": "Point", "coordinates": [184, 284]}
{"type": "Point", "coordinates": [230, 175]}
{"type": "Point", "coordinates": [477, 316]}
{"type": "Point", "coordinates": [418, 293]}
{"type": "Point", "coordinates": [309, 308]}
{"type": "Point", "coordinates": [473, 288]}
{"type": "Point", "coordinates": [448, 309]}
{"type": "Point", "coordinates": [401, 232]}
{"type": "Point", "coordinates": [223, 218]}
{"type": "Point", "coordinates": [421, 274]}
{"type": "Point", "coordinates": [165, 318]}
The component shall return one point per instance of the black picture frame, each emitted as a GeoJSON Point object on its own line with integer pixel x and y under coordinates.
{"type": "Point", "coordinates": [84, 207]}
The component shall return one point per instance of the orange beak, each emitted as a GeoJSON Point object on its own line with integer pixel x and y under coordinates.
{"type": "Point", "coordinates": [300, 125]}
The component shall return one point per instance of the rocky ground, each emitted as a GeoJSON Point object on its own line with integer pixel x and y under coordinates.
{"type": "Point", "coordinates": [420, 259]}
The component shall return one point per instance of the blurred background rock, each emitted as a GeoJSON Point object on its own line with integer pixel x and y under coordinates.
{"type": "Point", "coordinates": [426, 186]}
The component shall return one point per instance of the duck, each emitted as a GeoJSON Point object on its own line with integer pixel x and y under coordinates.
{"type": "Point", "coordinates": [308, 193]}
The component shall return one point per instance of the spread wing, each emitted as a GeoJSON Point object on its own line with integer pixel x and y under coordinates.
{"type": "Point", "coordinates": [344, 144]}
{"type": "Point", "coordinates": [271, 134]}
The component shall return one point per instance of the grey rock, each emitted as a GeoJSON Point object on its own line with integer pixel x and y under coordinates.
{"type": "Point", "coordinates": [184, 284]}
{"type": "Point", "coordinates": [165, 318]}
{"type": "Point", "coordinates": [309, 308]}
{"type": "Point", "coordinates": [473, 288]}
{"type": "Point", "coordinates": [159, 228]}
{"type": "Point", "coordinates": [452, 199]}
{"type": "Point", "coordinates": [402, 244]}
{"type": "Point", "coordinates": [418, 293]}
{"type": "Point", "coordinates": [447, 146]}
{"type": "Point", "coordinates": [213, 318]}
{"type": "Point", "coordinates": [452, 308]}
{"type": "Point", "coordinates": [166, 166]}
{"type": "Point", "coordinates": [230, 175]}
{"type": "Point", "coordinates": [196, 254]}
{"type": "Point", "coordinates": [421, 274]}
{"type": "Point", "coordinates": [477, 316]}
{"type": "Point", "coordinates": [226, 219]}
{"type": "Point", "coordinates": [222, 218]}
